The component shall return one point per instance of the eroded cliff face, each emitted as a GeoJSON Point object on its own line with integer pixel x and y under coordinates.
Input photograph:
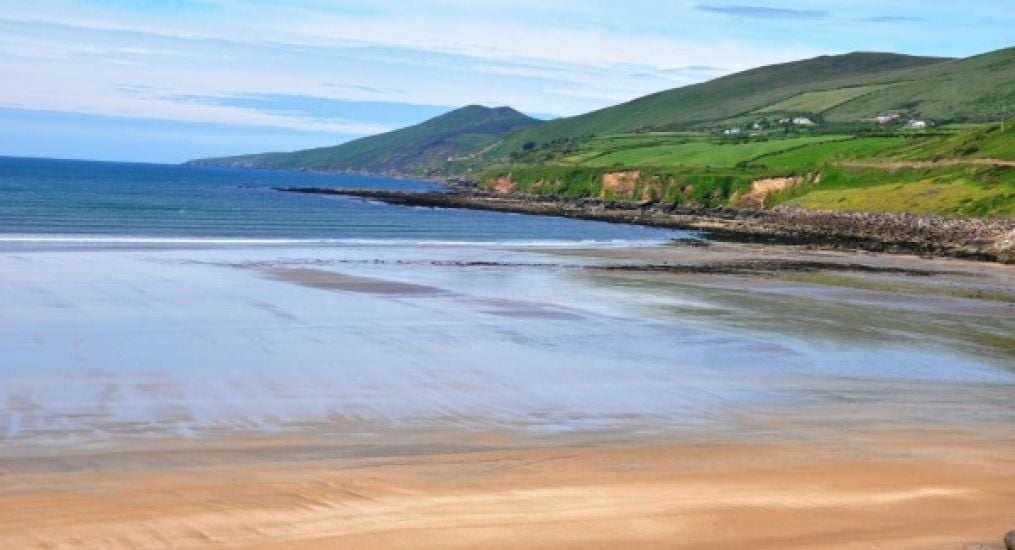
{"type": "Point", "coordinates": [639, 185]}
{"type": "Point", "coordinates": [631, 185]}
{"type": "Point", "coordinates": [762, 188]}
{"type": "Point", "coordinates": [502, 185]}
{"type": "Point", "coordinates": [620, 184]}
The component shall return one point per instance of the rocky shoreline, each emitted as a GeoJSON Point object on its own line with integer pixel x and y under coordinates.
{"type": "Point", "coordinates": [970, 238]}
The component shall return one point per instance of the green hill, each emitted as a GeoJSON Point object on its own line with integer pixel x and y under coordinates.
{"type": "Point", "coordinates": [680, 147]}
{"type": "Point", "coordinates": [423, 149]}
{"type": "Point", "coordinates": [975, 89]}
{"type": "Point", "coordinates": [847, 88]}
{"type": "Point", "coordinates": [681, 129]}
{"type": "Point", "coordinates": [723, 98]}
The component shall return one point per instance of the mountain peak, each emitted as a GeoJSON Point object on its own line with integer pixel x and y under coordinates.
{"type": "Point", "coordinates": [421, 149]}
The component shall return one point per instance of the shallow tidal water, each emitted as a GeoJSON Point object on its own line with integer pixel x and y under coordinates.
{"type": "Point", "coordinates": [100, 345]}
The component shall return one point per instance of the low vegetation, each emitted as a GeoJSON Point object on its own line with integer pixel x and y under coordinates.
{"type": "Point", "coordinates": [968, 170]}
{"type": "Point", "coordinates": [819, 102]}
{"type": "Point", "coordinates": [425, 149]}
{"type": "Point", "coordinates": [952, 191]}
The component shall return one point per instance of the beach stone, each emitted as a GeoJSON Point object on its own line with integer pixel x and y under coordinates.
{"type": "Point", "coordinates": [1009, 540]}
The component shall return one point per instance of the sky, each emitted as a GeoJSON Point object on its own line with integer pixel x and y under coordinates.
{"type": "Point", "coordinates": [170, 80]}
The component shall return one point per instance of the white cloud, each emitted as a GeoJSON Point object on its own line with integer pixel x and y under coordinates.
{"type": "Point", "coordinates": [516, 51]}
{"type": "Point", "coordinates": [562, 57]}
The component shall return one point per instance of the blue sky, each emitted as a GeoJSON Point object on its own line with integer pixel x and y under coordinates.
{"type": "Point", "coordinates": [164, 81]}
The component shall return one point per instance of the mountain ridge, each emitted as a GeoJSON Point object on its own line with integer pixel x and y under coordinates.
{"type": "Point", "coordinates": [846, 88]}
{"type": "Point", "coordinates": [419, 149]}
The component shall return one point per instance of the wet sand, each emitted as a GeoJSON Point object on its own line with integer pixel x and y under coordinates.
{"type": "Point", "coordinates": [458, 397]}
{"type": "Point", "coordinates": [925, 491]}
{"type": "Point", "coordinates": [327, 280]}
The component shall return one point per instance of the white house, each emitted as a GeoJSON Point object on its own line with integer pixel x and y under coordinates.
{"type": "Point", "coordinates": [916, 124]}
{"type": "Point", "coordinates": [803, 121]}
{"type": "Point", "coordinates": [732, 132]}
{"type": "Point", "coordinates": [887, 118]}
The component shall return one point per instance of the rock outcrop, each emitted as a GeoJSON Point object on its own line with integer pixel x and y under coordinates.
{"type": "Point", "coordinates": [973, 238]}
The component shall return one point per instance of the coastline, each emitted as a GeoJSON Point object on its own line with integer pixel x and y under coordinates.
{"type": "Point", "coordinates": [991, 240]}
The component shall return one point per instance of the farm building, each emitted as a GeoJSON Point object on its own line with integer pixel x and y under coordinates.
{"type": "Point", "coordinates": [886, 118]}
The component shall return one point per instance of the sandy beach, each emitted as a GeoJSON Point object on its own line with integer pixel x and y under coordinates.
{"type": "Point", "coordinates": [451, 396]}
{"type": "Point", "coordinates": [926, 490]}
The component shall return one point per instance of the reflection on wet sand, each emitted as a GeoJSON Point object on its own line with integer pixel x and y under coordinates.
{"type": "Point", "coordinates": [564, 398]}
{"type": "Point", "coordinates": [329, 280]}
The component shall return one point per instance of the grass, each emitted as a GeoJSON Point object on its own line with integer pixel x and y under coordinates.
{"type": "Point", "coordinates": [947, 192]}
{"type": "Point", "coordinates": [974, 89]}
{"type": "Point", "coordinates": [703, 153]}
{"type": "Point", "coordinates": [687, 150]}
{"type": "Point", "coordinates": [819, 154]}
{"type": "Point", "coordinates": [819, 102]}
{"type": "Point", "coordinates": [668, 185]}
{"type": "Point", "coordinates": [697, 166]}
{"type": "Point", "coordinates": [701, 105]}
{"type": "Point", "coordinates": [702, 170]}
{"type": "Point", "coordinates": [976, 142]}
{"type": "Point", "coordinates": [843, 89]}
{"type": "Point", "coordinates": [421, 149]}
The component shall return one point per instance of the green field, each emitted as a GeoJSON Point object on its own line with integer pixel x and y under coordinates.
{"type": "Point", "coordinates": [819, 102]}
{"type": "Point", "coordinates": [981, 141]}
{"type": "Point", "coordinates": [844, 89]}
{"type": "Point", "coordinates": [820, 154]}
{"type": "Point", "coordinates": [948, 195]}
{"type": "Point", "coordinates": [702, 153]}
{"type": "Point", "coordinates": [834, 172]}
{"type": "Point", "coordinates": [671, 149]}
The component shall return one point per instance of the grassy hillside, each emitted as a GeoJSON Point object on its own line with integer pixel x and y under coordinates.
{"type": "Point", "coordinates": [844, 89]}
{"type": "Point", "coordinates": [723, 98]}
{"type": "Point", "coordinates": [691, 152]}
{"type": "Point", "coordinates": [960, 191]}
{"type": "Point", "coordinates": [732, 141]}
{"type": "Point", "coordinates": [820, 102]}
{"type": "Point", "coordinates": [978, 88]}
{"type": "Point", "coordinates": [967, 170]}
{"type": "Point", "coordinates": [422, 149]}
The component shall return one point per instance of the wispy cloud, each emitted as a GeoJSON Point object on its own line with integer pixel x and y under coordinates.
{"type": "Point", "coordinates": [763, 12]}
{"type": "Point", "coordinates": [892, 19]}
{"type": "Point", "coordinates": [323, 108]}
{"type": "Point", "coordinates": [361, 88]}
{"type": "Point", "coordinates": [694, 68]}
{"type": "Point", "coordinates": [392, 61]}
{"type": "Point", "coordinates": [362, 66]}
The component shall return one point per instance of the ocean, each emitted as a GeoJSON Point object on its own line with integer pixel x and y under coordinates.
{"type": "Point", "coordinates": [45, 199]}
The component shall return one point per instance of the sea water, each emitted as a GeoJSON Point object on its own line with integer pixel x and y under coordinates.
{"type": "Point", "coordinates": [44, 199]}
